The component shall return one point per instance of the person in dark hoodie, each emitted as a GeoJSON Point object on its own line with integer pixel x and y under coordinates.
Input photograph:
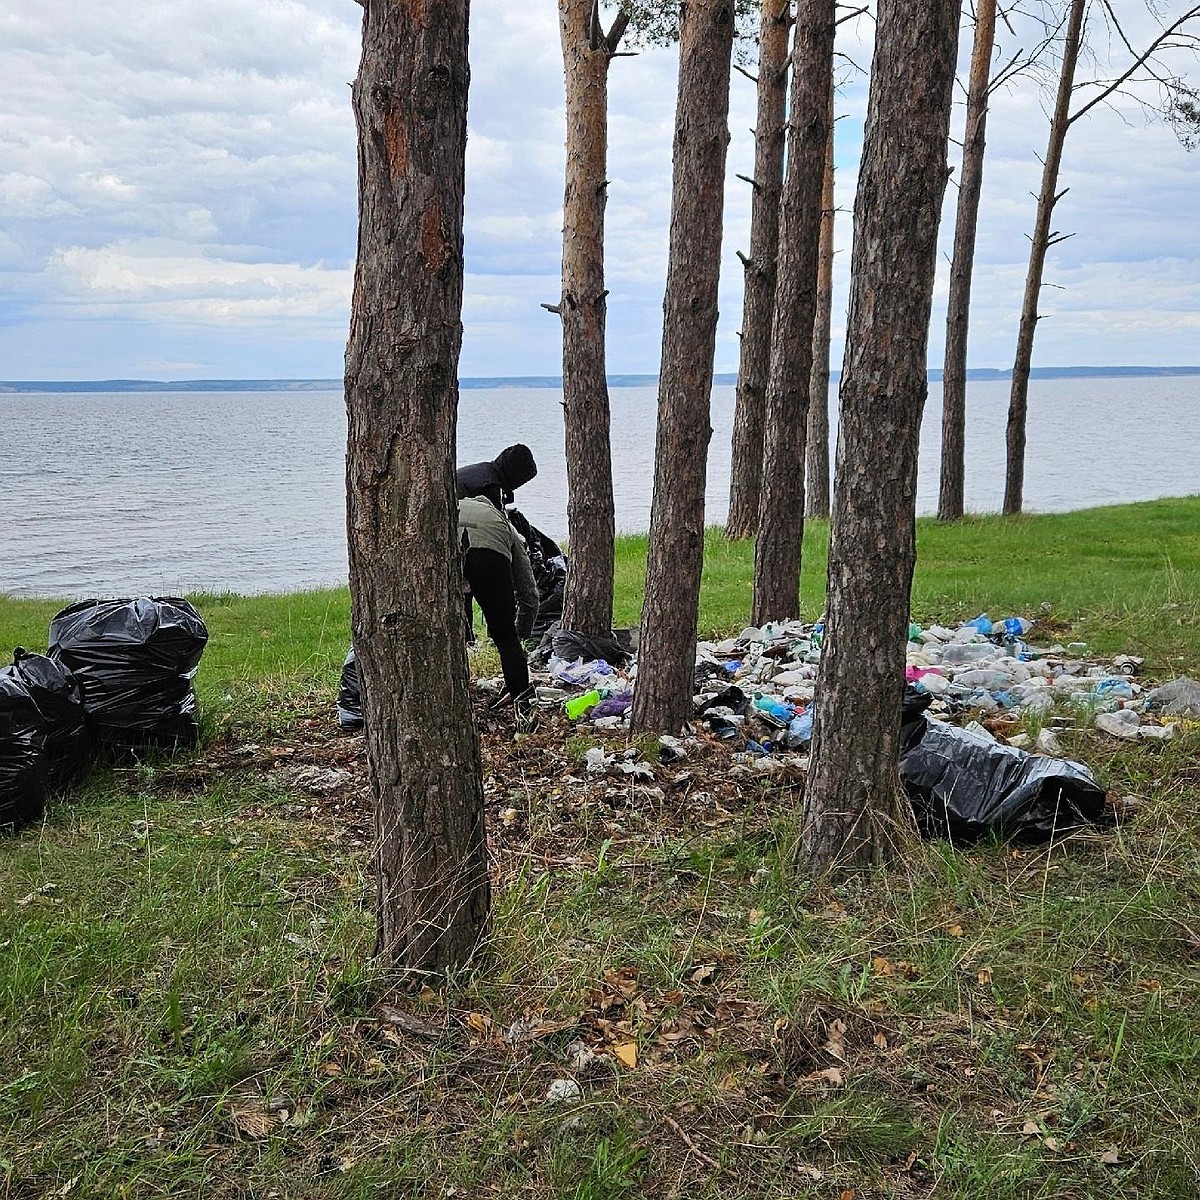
{"type": "Point", "coordinates": [498, 479]}
{"type": "Point", "coordinates": [497, 571]}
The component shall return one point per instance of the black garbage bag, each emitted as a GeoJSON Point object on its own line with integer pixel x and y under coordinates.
{"type": "Point", "coordinates": [349, 697]}
{"type": "Point", "coordinates": [566, 643]}
{"type": "Point", "coordinates": [23, 760]}
{"type": "Point", "coordinates": [135, 660]}
{"type": "Point", "coordinates": [56, 697]}
{"type": "Point", "coordinates": [550, 607]}
{"type": "Point", "coordinates": [549, 571]}
{"type": "Point", "coordinates": [965, 787]}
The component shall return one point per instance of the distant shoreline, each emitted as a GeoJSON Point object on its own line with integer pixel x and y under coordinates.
{"type": "Point", "coordinates": [471, 383]}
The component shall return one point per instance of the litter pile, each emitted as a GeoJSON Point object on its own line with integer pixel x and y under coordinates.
{"type": "Point", "coordinates": [755, 691]}
{"type": "Point", "coordinates": [118, 676]}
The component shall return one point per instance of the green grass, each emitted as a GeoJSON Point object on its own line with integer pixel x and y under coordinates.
{"type": "Point", "coordinates": [1124, 577]}
{"type": "Point", "coordinates": [188, 1004]}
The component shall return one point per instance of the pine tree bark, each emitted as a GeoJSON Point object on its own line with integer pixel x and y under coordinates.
{"type": "Point", "coordinates": [816, 477]}
{"type": "Point", "coordinates": [662, 699]}
{"type": "Point", "coordinates": [1018, 400]}
{"type": "Point", "coordinates": [758, 303]}
{"type": "Point", "coordinates": [587, 52]}
{"type": "Point", "coordinates": [410, 103]}
{"type": "Point", "coordinates": [777, 547]}
{"type": "Point", "coordinates": [958, 306]}
{"type": "Point", "coordinates": [854, 812]}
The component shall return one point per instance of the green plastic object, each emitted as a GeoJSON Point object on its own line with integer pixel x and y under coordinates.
{"type": "Point", "coordinates": [914, 631]}
{"type": "Point", "coordinates": [581, 704]}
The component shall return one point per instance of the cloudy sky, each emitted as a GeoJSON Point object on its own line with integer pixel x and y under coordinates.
{"type": "Point", "coordinates": [177, 199]}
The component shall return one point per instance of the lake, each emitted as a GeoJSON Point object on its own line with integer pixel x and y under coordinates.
{"type": "Point", "coordinates": [161, 492]}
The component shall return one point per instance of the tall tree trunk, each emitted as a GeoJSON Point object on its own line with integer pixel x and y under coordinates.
{"type": "Point", "coordinates": [745, 466]}
{"type": "Point", "coordinates": [970, 185]}
{"type": "Point", "coordinates": [816, 487]}
{"type": "Point", "coordinates": [781, 509]}
{"type": "Point", "coordinates": [854, 812]}
{"type": "Point", "coordinates": [410, 102]}
{"type": "Point", "coordinates": [662, 700]}
{"type": "Point", "coordinates": [1018, 400]}
{"type": "Point", "coordinates": [587, 52]}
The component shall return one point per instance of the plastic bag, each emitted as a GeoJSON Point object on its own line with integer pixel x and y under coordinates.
{"type": "Point", "coordinates": [1179, 698]}
{"type": "Point", "coordinates": [57, 698]}
{"type": "Point", "coordinates": [23, 762]}
{"type": "Point", "coordinates": [135, 660]}
{"type": "Point", "coordinates": [568, 644]}
{"type": "Point", "coordinates": [349, 697]}
{"type": "Point", "coordinates": [965, 787]}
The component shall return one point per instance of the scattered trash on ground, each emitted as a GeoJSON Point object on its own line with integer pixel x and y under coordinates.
{"type": "Point", "coordinates": [1004, 774]}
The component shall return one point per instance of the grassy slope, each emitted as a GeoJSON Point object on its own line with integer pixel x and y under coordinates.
{"type": "Point", "coordinates": [1125, 577]}
{"type": "Point", "coordinates": [1012, 1016]}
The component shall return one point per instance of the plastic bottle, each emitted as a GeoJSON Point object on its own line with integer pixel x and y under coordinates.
{"type": "Point", "coordinates": [581, 704]}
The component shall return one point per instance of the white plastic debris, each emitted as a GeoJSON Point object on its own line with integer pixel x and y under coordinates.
{"type": "Point", "coordinates": [1047, 743]}
{"type": "Point", "coordinates": [597, 762]}
{"type": "Point", "coordinates": [1123, 723]}
{"type": "Point", "coordinates": [564, 1091]}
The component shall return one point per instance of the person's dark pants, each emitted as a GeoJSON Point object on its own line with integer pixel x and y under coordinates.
{"type": "Point", "coordinates": [490, 577]}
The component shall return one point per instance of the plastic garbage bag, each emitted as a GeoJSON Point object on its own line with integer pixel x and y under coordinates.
{"type": "Point", "coordinates": [56, 697]}
{"type": "Point", "coordinates": [23, 764]}
{"type": "Point", "coordinates": [1179, 698]}
{"type": "Point", "coordinates": [568, 644]}
{"type": "Point", "coordinates": [964, 788]}
{"type": "Point", "coordinates": [549, 566]}
{"type": "Point", "coordinates": [135, 660]}
{"type": "Point", "coordinates": [349, 697]}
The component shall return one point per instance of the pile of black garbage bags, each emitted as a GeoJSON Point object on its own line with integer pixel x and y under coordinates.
{"type": "Point", "coordinates": [117, 677]}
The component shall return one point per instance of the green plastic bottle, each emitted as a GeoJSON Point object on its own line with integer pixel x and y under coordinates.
{"type": "Point", "coordinates": [581, 704]}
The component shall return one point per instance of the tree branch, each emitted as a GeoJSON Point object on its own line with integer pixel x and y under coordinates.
{"type": "Point", "coordinates": [616, 32]}
{"type": "Point", "coordinates": [1138, 63]}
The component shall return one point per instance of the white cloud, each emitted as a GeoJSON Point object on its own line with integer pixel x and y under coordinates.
{"type": "Point", "coordinates": [176, 175]}
{"type": "Point", "coordinates": [158, 284]}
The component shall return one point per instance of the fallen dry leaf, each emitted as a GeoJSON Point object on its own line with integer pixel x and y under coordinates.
{"type": "Point", "coordinates": [480, 1022]}
{"type": "Point", "coordinates": [626, 1053]}
{"type": "Point", "coordinates": [984, 976]}
{"type": "Point", "coordinates": [831, 1075]}
{"type": "Point", "coordinates": [704, 973]}
{"type": "Point", "coordinates": [1031, 1129]}
{"type": "Point", "coordinates": [1110, 1157]}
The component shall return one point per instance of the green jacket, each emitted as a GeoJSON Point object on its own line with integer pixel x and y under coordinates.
{"type": "Point", "coordinates": [488, 529]}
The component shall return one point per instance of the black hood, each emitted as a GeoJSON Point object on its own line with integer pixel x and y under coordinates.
{"type": "Point", "coordinates": [515, 466]}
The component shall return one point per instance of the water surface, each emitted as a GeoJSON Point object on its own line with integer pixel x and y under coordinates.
{"type": "Point", "coordinates": [160, 492]}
